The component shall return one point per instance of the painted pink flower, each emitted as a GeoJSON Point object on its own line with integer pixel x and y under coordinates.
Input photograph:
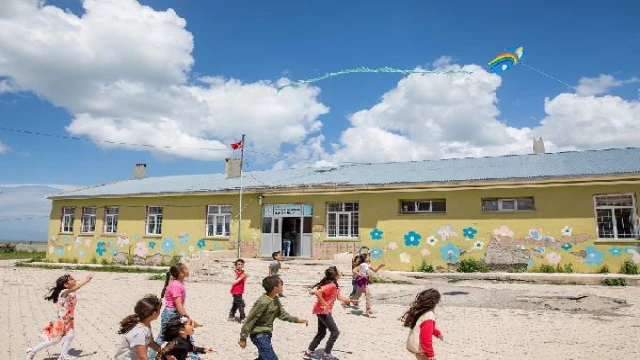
{"type": "Point", "coordinates": [392, 246]}
{"type": "Point", "coordinates": [554, 258]}
{"type": "Point", "coordinates": [123, 240]}
{"type": "Point", "coordinates": [191, 248]}
{"type": "Point", "coordinates": [87, 242]}
{"type": "Point", "coordinates": [503, 231]}
{"type": "Point", "coordinates": [141, 249]}
{"type": "Point", "coordinates": [425, 252]}
{"type": "Point", "coordinates": [405, 257]}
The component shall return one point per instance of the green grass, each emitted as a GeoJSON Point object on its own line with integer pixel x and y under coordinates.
{"type": "Point", "coordinates": [614, 282]}
{"type": "Point", "coordinates": [105, 268]}
{"type": "Point", "coordinates": [381, 280]}
{"type": "Point", "coordinates": [22, 255]}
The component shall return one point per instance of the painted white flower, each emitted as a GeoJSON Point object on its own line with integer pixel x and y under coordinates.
{"type": "Point", "coordinates": [554, 258]}
{"type": "Point", "coordinates": [123, 240]}
{"type": "Point", "coordinates": [50, 249]}
{"type": "Point", "coordinates": [431, 240]}
{"type": "Point", "coordinates": [392, 246]}
{"type": "Point", "coordinates": [141, 249]}
{"type": "Point", "coordinates": [78, 241]}
{"type": "Point", "coordinates": [425, 252]}
{"type": "Point", "coordinates": [446, 232]}
{"type": "Point", "coordinates": [478, 245]}
{"type": "Point", "coordinates": [405, 257]}
{"type": "Point", "coordinates": [87, 242]}
{"type": "Point", "coordinates": [191, 248]}
{"type": "Point", "coordinates": [503, 231]}
{"type": "Point", "coordinates": [567, 231]}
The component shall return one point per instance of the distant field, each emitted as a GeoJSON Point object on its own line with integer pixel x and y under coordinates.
{"type": "Point", "coordinates": [27, 246]}
{"type": "Point", "coordinates": [22, 255]}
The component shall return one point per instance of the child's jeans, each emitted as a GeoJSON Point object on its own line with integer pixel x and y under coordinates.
{"type": "Point", "coordinates": [325, 321]}
{"type": "Point", "coordinates": [263, 342]}
{"type": "Point", "coordinates": [287, 248]}
{"type": "Point", "coordinates": [238, 304]}
{"type": "Point", "coordinates": [355, 288]}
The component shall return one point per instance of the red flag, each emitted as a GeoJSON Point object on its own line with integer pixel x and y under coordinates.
{"type": "Point", "coordinates": [237, 145]}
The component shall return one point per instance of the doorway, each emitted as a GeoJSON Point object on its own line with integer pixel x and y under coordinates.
{"type": "Point", "coordinates": [287, 228]}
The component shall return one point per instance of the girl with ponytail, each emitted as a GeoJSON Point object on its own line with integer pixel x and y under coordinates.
{"type": "Point", "coordinates": [136, 332]}
{"type": "Point", "coordinates": [63, 295]}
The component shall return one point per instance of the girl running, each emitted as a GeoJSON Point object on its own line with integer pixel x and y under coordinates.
{"type": "Point", "coordinates": [362, 274]}
{"type": "Point", "coordinates": [327, 292]}
{"type": "Point", "coordinates": [177, 331]}
{"type": "Point", "coordinates": [63, 295]}
{"type": "Point", "coordinates": [136, 330]}
{"type": "Point", "coordinates": [421, 319]}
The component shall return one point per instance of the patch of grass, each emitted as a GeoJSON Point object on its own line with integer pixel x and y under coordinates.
{"type": "Point", "coordinates": [604, 270]}
{"type": "Point", "coordinates": [381, 280]}
{"type": "Point", "coordinates": [550, 269]}
{"type": "Point", "coordinates": [22, 255]}
{"type": "Point", "coordinates": [629, 268]}
{"type": "Point", "coordinates": [614, 282]}
{"type": "Point", "coordinates": [472, 265]}
{"type": "Point", "coordinates": [175, 259]}
{"type": "Point", "coordinates": [424, 267]}
{"type": "Point", "coordinates": [158, 277]}
{"type": "Point", "coordinates": [104, 268]}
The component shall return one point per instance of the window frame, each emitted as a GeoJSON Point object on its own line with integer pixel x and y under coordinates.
{"type": "Point", "coordinates": [85, 215]}
{"type": "Point", "coordinates": [430, 201]}
{"type": "Point", "coordinates": [115, 217]}
{"type": "Point", "coordinates": [148, 217]}
{"type": "Point", "coordinates": [64, 215]}
{"type": "Point", "coordinates": [214, 216]}
{"type": "Point", "coordinates": [634, 207]}
{"type": "Point", "coordinates": [350, 220]}
{"type": "Point", "coordinates": [500, 201]}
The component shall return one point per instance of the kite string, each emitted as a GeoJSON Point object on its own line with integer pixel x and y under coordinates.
{"type": "Point", "coordinates": [364, 69]}
{"type": "Point", "coordinates": [549, 76]}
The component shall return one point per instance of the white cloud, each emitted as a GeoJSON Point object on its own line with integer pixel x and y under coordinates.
{"type": "Point", "coordinates": [601, 84]}
{"type": "Point", "coordinates": [122, 70]}
{"type": "Point", "coordinates": [4, 148]}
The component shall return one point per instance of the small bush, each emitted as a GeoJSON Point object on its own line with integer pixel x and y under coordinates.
{"type": "Point", "coordinates": [7, 248]}
{"type": "Point", "coordinates": [175, 259]}
{"type": "Point", "coordinates": [472, 265]}
{"type": "Point", "coordinates": [614, 282]}
{"type": "Point", "coordinates": [425, 267]}
{"type": "Point", "coordinates": [604, 270]}
{"type": "Point", "coordinates": [629, 268]}
{"type": "Point", "coordinates": [104, 262]}
{"type": "Point", "coordinates": [74, 260]}
{"type": "Point", "coordinates": [94, 260]}
{"type": "Point", "coordinates": [546, 268]}
{"type": "Point", "coordinates": [568, 269]}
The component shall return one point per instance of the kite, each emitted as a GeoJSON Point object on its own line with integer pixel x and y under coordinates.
{"type": "Point", "coordinates": [363, 69]}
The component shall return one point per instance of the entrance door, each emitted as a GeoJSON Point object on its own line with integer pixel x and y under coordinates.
{"type": "Point", "coordinates": [276, 231]}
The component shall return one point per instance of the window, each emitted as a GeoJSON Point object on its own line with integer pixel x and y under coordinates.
{"type": "Point", "coordinates": [514, 204]}
{"type": "Point", "coordinates": [154, 220]}
{"type": "Point", "coordinates": [616, 216]}
{"type": "Point", "coordinates": [342, 219]}
{"type": "Point", "coordinates": [423, 206]}
{"type": "Point", "coordinates": [111, 219]}
{"type": "Point", "coordinates": [88, 220]}
{"type": "Point", "coordinates": [218, 219]}
{"type": "Point", "coordinates": [68, 213]}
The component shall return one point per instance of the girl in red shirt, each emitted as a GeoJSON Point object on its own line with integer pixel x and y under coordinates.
{"type": "Point", "coordinates": [421, 319]}
{"type": "Point", "coordinates": [327, 293]}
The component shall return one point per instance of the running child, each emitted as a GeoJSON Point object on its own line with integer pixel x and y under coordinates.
{"type": "Point", "coordinates": [237, 289]}
{"type": "Point", "coordinates": [259, 324]}
{"type": "Point", "coordinates": [136, 332]}
{"type": "Point", "coordinates": [327, 293]}
{"type": "Point", "coordinates": [362, 274]}
{"type": "Point", "coordinates": [276, 265]}
{"type": "Point", "coordinates": [421, 319]}
{"type": "Point", "coordinates": [177, 331]}
{"type": "Point", "coordinates": [63, 295]}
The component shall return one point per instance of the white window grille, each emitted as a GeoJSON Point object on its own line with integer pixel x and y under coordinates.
{"type": "Point", "coordinates": [88, 220]}
{"type": "Point", "coordinates": [423, 206]}
{"type": "Point", "coordinates": [111, 219]}
{"type": "Point", "coordinates": [218, 220]}
{"type": "Point", "coordinates": [154, 220]}
{"type": "Point", "coordinates": [342, 219]}
{"type": "Point", "coordinates": [508, 204]}
{"type": "Point", "coordinates": [616, 216]}
{"type": "Point", "coordinates": [68, 214]}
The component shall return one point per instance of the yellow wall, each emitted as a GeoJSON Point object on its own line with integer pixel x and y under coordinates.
{"type": "Point", "coordinates": [540, 231]}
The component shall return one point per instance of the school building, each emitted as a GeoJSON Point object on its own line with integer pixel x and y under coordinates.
{"type": "Point", "coordinates": [577, 208]}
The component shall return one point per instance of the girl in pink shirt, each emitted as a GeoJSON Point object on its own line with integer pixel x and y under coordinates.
{"type": "Point", "coordinates": [421, 319]}
{"type": "Point", "coordinates": [327, 293]}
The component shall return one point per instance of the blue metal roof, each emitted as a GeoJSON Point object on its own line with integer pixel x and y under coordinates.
{"type": "Point", "coordinates": [512, 167]}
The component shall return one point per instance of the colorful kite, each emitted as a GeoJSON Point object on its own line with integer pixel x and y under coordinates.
{"type": "Point", "coordinates": [506, 60]}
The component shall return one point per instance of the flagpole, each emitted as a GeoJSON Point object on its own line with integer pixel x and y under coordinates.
{"type": "Point", "coordinates": [240, 213]}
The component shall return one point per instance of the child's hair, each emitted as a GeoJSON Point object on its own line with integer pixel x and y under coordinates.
{"type": "Point", "coordinates": [170, 333]}
{"type": "Point", "coordinates": [238, 261]}
{"type": "Point", "coordinates": [270, 282]}
{"type": "Point", "coordinates": [173, 272]}
{"type": "Point", "coordinates": [275, 253]}
{"type": "Point", "coordinates": [362, 258]}
{"type": "Point", "coordinates": [55, 291]}
{"type": "Point", "coordinates": [330, 276]}
{"type": "Point", "coordinates": [425, 301]}
{"type": "Point", "coordinates": [144, 308]}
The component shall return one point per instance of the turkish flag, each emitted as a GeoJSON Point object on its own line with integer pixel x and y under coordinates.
{"type": "Point", "coordinates": [237, 145]}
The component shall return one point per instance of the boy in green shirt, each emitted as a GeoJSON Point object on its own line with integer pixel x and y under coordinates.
{"type": "Point", "coordinates": [259, 324]}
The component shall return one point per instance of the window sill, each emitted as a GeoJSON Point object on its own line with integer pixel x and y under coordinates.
{"type": "Point", "coordinates": [87, 234]}
{"type": "Point", "coordinates": [342, 239]}
{"type": "Point", "coordinates": [65, 233]}
{"type": "Point", "coordinates": [155, 236]}
{"type": "Point", "coordinates": [507, 211]}
{"type": "Point", "coordinates": [217, 238]}
{"type": "Point", "coordinates": [617, 241]}
{"type": "Point", "coordinates": [423, 213]}
{"type": "Point", "coordinates": [109, 234]}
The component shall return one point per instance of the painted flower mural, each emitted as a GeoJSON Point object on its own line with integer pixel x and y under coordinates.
{"type": "Point", "coordinates": [446, 232]}
{"type": "Point", "coordinates": [392, 246]}
{"type": "Point", "coordinates": [635, 254]}
{"type": "Point", "coordinates": [192, 248]}
{"type": "Point", "coordinates": [184, 238]}
{"type": "Point", "coordinates": [376, 253]}
{"type": "Point", "coordinates": [216, 246]}
{"type": "Point", "coordinates": [567, 231]}
{"type": "Point", "coordinates": [594, 256]}
{"type": "Point", "coordinates": [450, 253]}
{"type": "Point", "coordinates": [478, 245]}
{"type": "Point", "coordinates": [503, 231]}
{"type": "Point", "coordinates": [425, 252]}
{"type": "Point", "coordinates": [59, 251]}
{"type": "Point", "coordinates": [376, 234]}
{"type": "Point", "coordinates": [567, 247]}
{"type": "Point", "coordinates": [152, 245]}
{"type": "Point", "coordinates": [114, 252]}
{"type": "Point", "coordinates": [141, 249]}
{"type": "Point", "coordinates": [101, 248]}
{"type": "Point", "coordinates": [615, 251]}
{"type": "Point", "coordinates": [405, 257]}
{"type": "Point", "coordinates": [541, 249]}
{"type": "Point", "coordinates": [412, 238]}
{"type": "Point", "coordinates": [535, 234]}
{"type": "Point", "coordinates": [87, 242]}
{"type": "Point", "coordinates": [431, 240]}
{"type": "Point", "coordinates": [123, 240]}
{"type": "Point", "coordinates": [469, 232]}
{"type": "Point", "coordinates": [168, 244]}
{"type": "Point", "coordinates": [81, 253]}
{"type": "Point", "coordinates": [51, 249]}
{"type": "Point", "coordinates": [201, 243]}
{"type": "Point", "coordinates": [554, 258]}
{"type": "Point", "coordinates": [78, 241]}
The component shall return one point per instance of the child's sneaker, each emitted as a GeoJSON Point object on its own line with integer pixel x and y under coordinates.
{"type": "Point", "coordinates": [310, 355]}
{"type": "Point", "coordinates": [30, 354]}
{"type": "Point", "coordinates": [328, 357]}
{"type": "Point", "coordinates": [231, 318]}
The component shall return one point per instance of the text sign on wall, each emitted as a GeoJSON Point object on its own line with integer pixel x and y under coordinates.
{"type": "Point", "coordinates": [287, 210]}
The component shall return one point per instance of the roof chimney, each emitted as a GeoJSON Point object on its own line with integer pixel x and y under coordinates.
{"type": "Point", "coordinates": [140, 171]}
{"type": "Point", "coordinates": [538, 146]}
{"type": "Point", "coordinates": [232, 167]}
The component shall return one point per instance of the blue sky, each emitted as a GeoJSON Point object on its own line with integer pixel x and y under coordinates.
{"type": "Point", "coordinates": [264, 41]}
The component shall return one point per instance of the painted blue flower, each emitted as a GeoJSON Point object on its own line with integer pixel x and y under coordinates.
{"type": "Point", "coordinates": [137, 237]}
{"type": "Point", "coordinates": [184, 238]}
{"type": "Point", "coordinates": [111, 243]}
{"type": "Point", "coordinates": [201, 243]}
{"type": "Point", "coordinates": [152, 244]}
{"type": "Point", "coordinates": [168, 244]}
{"type": "Point", "coordinates": [376, 253]}
{"type": "Point", "coordinates": [59, 251]}
{"type": "Point", "coordinates": [376, 234]}
{"type": "Point", "coordinates": [450, 253]}
{"type": "Point", "coordinates": [101, 248]}
{"type": "Point", "coordinates": [615, 251]}
{"type": "Point", "coordinates": [114, 252]}
{"type": "Point", "coordinates": [216, 246]}
{"type": "Point", "coordinates": [65, 239]}
{"type": "Point", "coordinates": [530, 263]}
{"type": "Point", "coordinates": [594, 256]}
{"type": "Point", "coordinates": [412, 238]}
{"type": "Point", "coordinates": [567, 247]}
{"type": "Point", "coordinates": [469, 232]}
{"type": "Point", "coordinates": [541, 249]}
{"type": "Point", "coordinates": [81, 253]}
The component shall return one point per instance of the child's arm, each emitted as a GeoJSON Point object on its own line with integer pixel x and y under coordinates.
{"type": "Point", "coordinates": [238, 280]}
{"type": "Point", "coordinates": [284, 316]}
{"type": "Point", "coordinates": [78, 286]}
{"type": "Point", "coordinates": [342, 298]}
{"type": "Point", "coordinates": [250, 321]}
{"type": "Point", "coordinates": [380, 266]}
{"type": "Point", "coordinates": [426, 341]}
